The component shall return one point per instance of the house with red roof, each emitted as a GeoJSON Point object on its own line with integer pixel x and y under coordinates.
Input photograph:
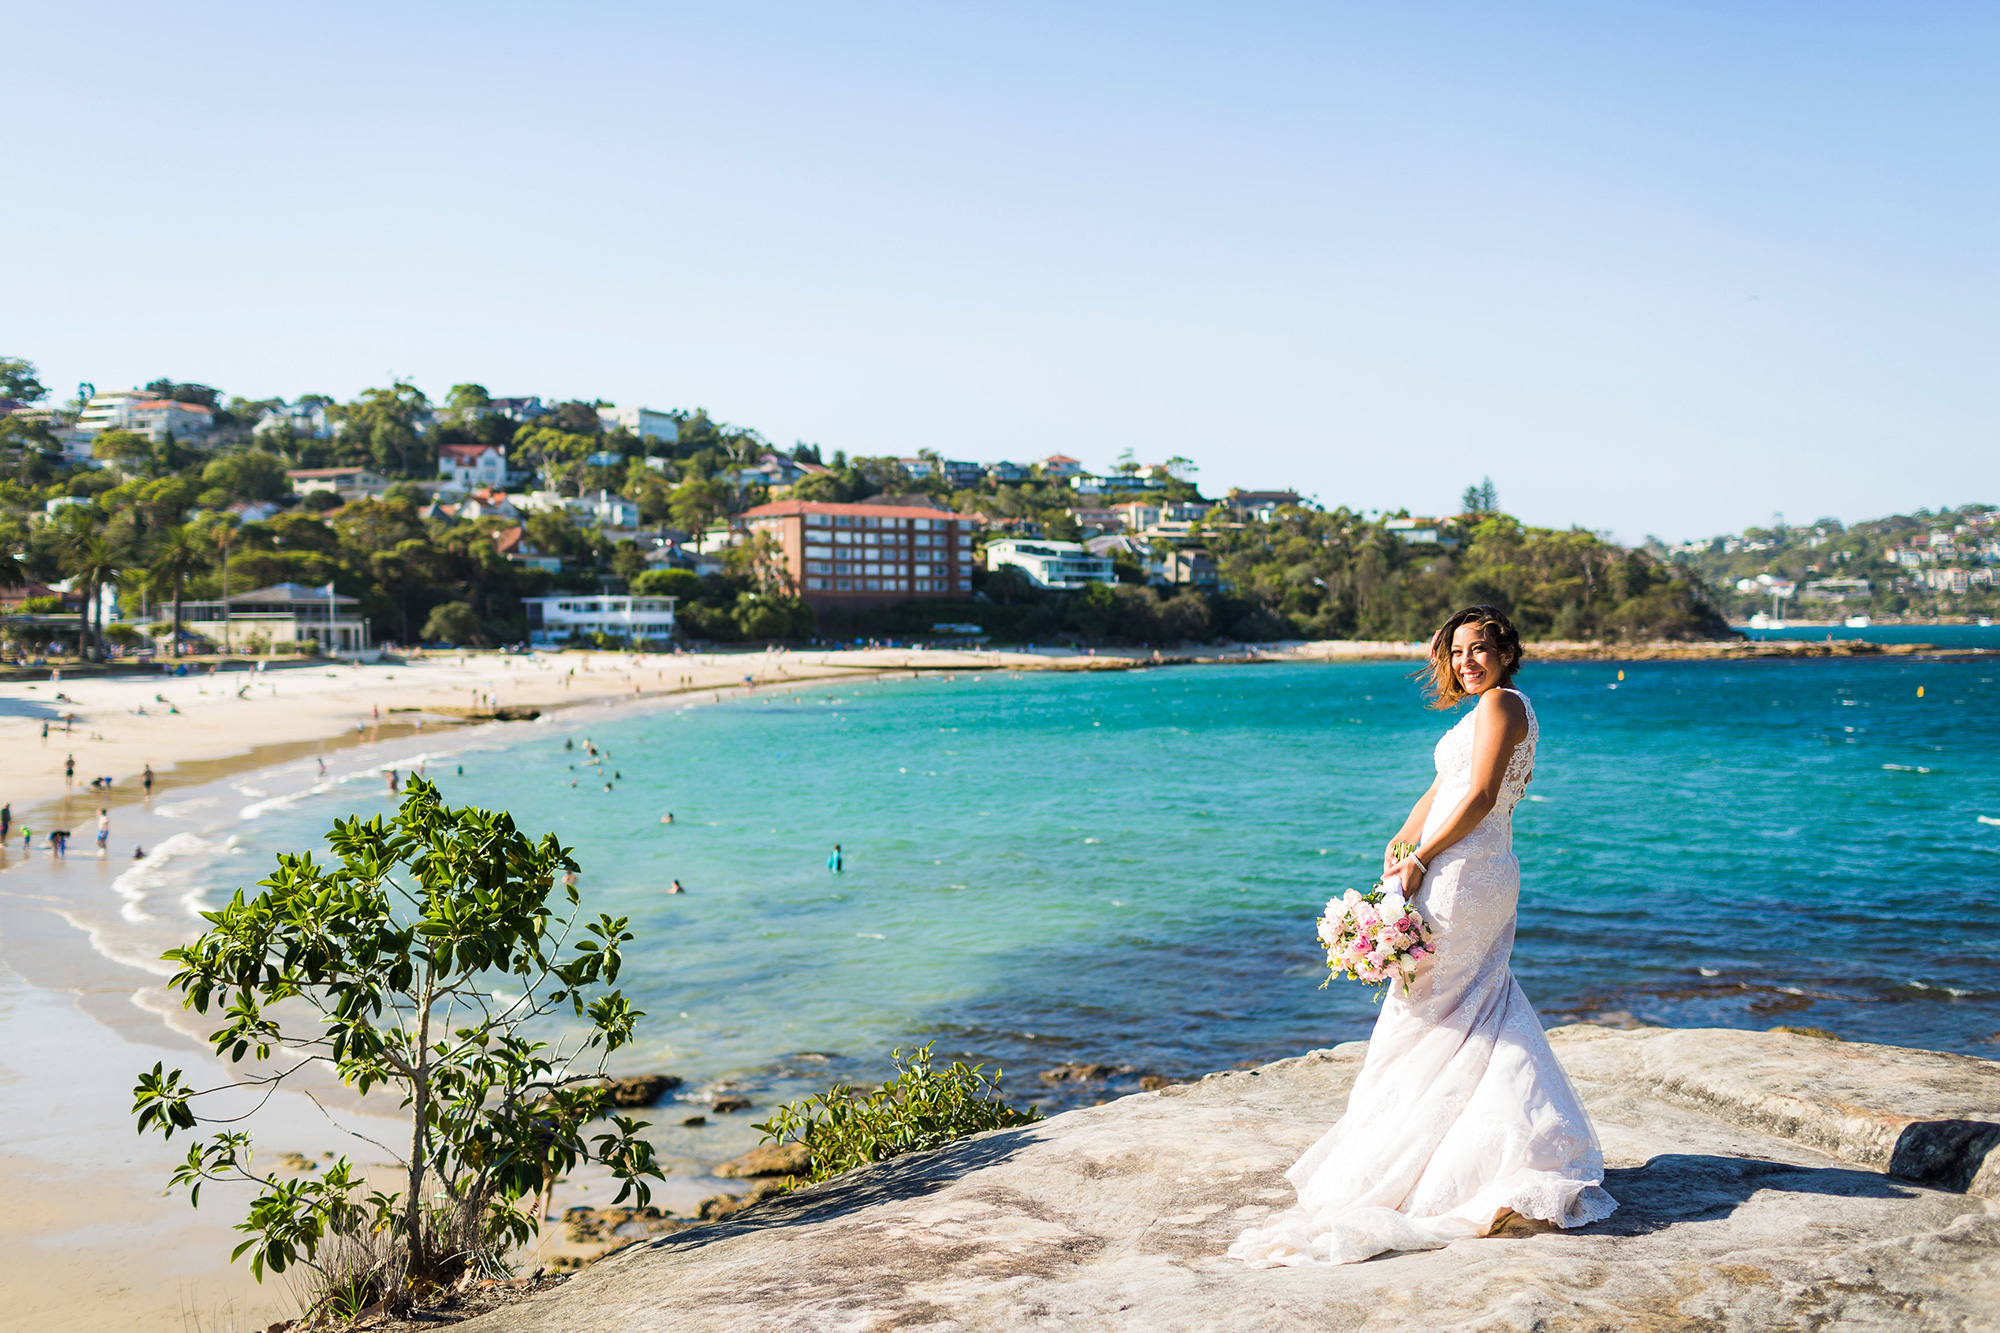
{"type": "Point", "coordinates": [471, 466]}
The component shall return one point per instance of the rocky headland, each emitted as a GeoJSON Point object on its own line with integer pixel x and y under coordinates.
{"type": "Point", "coordinates": [1768, 1180]}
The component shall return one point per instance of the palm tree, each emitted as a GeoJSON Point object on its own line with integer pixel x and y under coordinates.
{"type": "Point", "coordinates": [89, 560]}
{"type": "Point", "coordinates": [178, 558]}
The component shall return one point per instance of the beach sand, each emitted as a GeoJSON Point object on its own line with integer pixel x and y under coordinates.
{"type": "Point", "coordinates": [93, 1238]}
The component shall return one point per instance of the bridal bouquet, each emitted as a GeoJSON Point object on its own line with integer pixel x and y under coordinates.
{"type": "Point", "coordinates": [1374, 937]}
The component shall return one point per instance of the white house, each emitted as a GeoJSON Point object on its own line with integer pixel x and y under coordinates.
{"type": "Point", "coordinates": [1050, 564]}
{"type": "Point", "coordinates": [347, 482]}
{"type": "Point", "coordinates": [473, 466]}
{"type": "Point", "coordinates": [551, 620]}
{"type": "Point", "coordinates": [609, 510]}
{"type": "Point", "coordinates": [643, 422]}
{"type": "Point", "coordinates": [305, 421]}
{"type": "Point", "coordinates": [281, 613]}
{"type": "Point", "coordinates": [157, 418]}
{"type": "Point", "coordinates": [106, 411]}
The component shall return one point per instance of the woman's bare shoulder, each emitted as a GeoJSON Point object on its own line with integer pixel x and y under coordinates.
{"type": "Point", "coordinates": [1507, 708]}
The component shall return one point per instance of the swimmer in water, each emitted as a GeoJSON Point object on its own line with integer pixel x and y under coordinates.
{"type": "Point", "coordinates": [833, 862]}
{"type": "Point", "coordinates": [667, 818]}
{"type": "Point", "coordinates": [138, 853]}
{"type": "Point", "coordinates": [677, 888]}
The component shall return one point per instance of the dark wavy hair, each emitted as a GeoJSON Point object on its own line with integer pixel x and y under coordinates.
{"type": "Point", "coordinates": [1445, 687]}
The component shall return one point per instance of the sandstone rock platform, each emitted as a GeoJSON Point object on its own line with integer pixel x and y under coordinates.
{"type": "Point", "coordinates": [1752, 1171]}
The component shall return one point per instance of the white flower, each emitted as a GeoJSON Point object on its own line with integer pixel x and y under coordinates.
{"type": "Point", "coordinates": [1392, 906]}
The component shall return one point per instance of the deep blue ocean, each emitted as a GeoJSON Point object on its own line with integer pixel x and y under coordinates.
{"type": "Point", "coordinates": [1942, 636]}
{"type": "Point", "coordinates": [1125, 868]}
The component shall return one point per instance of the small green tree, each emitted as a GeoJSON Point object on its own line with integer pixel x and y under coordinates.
{"type": "Point", "coordinates": [382, 968]}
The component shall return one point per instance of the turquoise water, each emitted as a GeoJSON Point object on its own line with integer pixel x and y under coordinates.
{"type": "Point", "coordinates": [1944, 636]}
{"type": "Point", "coordinates": [1124, 868]}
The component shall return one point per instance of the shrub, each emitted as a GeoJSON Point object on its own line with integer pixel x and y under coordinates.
{"type": "Point", "coordinates": [384, 969]}
{"type": "Point", "coordinates": [919, 1109]}
{"type": "Point", "coordinates": [680, 583]}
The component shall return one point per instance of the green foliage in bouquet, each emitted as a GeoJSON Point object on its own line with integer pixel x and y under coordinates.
{"type": "Point", "coordinates": [920, 1108]}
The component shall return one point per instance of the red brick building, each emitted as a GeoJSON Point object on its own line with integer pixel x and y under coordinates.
{"type": "Point", "coordinates": [864, 554]}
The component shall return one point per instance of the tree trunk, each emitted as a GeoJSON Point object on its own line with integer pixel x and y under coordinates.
{"type": "Point", "coordinates": [413, 1212]}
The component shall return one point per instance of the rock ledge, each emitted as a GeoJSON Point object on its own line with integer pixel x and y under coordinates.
{"type": "Point", "coordinates": [1750, 1168]}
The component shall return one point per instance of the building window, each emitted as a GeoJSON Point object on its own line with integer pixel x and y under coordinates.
{"type": "Point", "coordinates": [965, 585]}
{"type": "Point", "coordinates": [821, 552]}
{"type": "Point", "coordinates": [874, 585]}
{"type": "Point", "coordinates": [817, 567]}
{"type": "Point", "coordinates": [843, 585]}
{"type": "Point", "coordinates": [843, 567]}
{"type": "Point", "coordinates": [899, 587]}
{"type": "Point", "coordinates": [815, 585]}
{"type": "Point", "coordinates": [843, 520]}
{"type": "Point", "coordinates": [815, 520]}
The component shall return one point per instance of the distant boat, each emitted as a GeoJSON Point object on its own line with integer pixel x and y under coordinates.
{"type": "Point", "coordinates": [1986, 622]}
{"type": "Point", "coordinates": [1859, 622]}
{"type": "Point", "coordinates": [1762, 621]}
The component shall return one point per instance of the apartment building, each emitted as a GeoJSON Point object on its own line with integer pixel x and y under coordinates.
{"type": "Point", "coordinates": [864, 554]}
{"type": "Point", "coordinates": [643, 422]}
{"type": "Point", "coordinates": [142, 412]}
{"type": "Point", "coordinates": [1050, 564]}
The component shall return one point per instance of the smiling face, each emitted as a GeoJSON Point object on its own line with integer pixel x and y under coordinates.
{"type": "Point", "coordinates": [1474, 659]}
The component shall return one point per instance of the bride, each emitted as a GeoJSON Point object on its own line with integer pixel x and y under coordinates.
{"type": "Point", "coordinates": [1461, 1112]}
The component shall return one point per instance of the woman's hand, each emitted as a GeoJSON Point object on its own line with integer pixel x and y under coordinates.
{"type": "Point", "coordinates": [1407, 875]}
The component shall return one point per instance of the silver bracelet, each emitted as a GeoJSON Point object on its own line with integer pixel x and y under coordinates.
{"type": "Point", "coordinates": [1420, 865]}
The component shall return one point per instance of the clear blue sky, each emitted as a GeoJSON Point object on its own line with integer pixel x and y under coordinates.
{"type": "Point", "coordinates": [1658, 268]}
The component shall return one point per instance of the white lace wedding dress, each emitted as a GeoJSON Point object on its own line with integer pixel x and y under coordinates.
{"type": "Point", "coordinates": [1461, 1110]}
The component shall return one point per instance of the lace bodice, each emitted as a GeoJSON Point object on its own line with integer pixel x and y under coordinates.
{"type": "Point", "coordinates": [1454, 764]}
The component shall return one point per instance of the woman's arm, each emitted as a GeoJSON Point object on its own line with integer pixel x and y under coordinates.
{"type": "Point", "coordinates": [1413, 827]}
{"type": "Point", "coordinates": [1500, 722]}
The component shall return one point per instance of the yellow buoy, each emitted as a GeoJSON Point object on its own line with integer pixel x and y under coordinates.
{"type": "Point", "coordinates": [1621, 673]}
{"type": "Point", "coordinates": [1920, 691]}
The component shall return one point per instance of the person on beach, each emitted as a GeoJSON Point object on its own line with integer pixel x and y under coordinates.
{"type": "Point", "coordinates": [7, 821]}
{"type": "Point", "coordinates": [138, 852]}
{"type": "Point", "coordinates": [1462, 1116]}
{"type": "Point", "coordinates": [27, 840]}
{"type": "Point", "coordinates": [322, 767]}
{"type": "Point", "coordinates": [835, 862]}
{"type": "Point", "coordinates": [395, 783]}
{"type": "Point", "coordinates": [45, 735]}
{"type": "Point", "coordinates": [59, 844]}
{"type": "Point", "coordinates": [69, 771]}
{"type": "Point", "coordinates": [147, 779]}
{"type": "Point", "coordinates": [103, 831]}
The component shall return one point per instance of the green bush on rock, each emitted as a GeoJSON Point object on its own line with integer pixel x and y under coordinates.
{"type": "Point", "coordinates": [920, 1108]}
